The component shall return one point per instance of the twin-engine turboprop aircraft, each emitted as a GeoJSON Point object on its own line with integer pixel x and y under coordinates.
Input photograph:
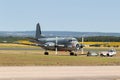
{"type": "Point", "coordinates": [56, 43]}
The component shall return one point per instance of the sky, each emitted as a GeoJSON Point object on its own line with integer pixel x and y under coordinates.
{"type": "Point", "coordinates": [60, 15]}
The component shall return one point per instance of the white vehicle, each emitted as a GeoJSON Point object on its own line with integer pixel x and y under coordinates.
{"type": "Point", "coordinates": [110, 53]}
{"type": "Point", "coordinates": [91, 53]}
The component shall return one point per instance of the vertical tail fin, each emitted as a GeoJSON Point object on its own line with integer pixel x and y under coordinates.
{"type": "Point", "coordinates": [38, 31]}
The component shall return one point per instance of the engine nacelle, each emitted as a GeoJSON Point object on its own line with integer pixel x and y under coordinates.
{"type": "Point", "coordinates": [49, 44]}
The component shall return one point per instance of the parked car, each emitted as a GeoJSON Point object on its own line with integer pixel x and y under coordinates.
{"type": "Point", "coordinates": [92, 53]}
{"type": "Point", "coordinates": [110, 53]}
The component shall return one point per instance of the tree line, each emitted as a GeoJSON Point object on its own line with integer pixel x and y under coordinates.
{"type": "Point", "coordinates": [100, 39]}
{"type": "Point", "coordinates": [10, 39]}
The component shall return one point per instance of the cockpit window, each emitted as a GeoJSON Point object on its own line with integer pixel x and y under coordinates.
{"type": "Point", "coordinates": [74, 40]}
{"type": "Point", "coordinates": [70, 40]}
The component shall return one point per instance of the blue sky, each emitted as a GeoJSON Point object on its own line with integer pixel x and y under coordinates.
{"type": "Point", "coordinates": [60, 15]}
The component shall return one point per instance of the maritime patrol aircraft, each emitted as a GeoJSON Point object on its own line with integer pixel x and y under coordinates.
{"type": "Point", "coordinates": [56, 43]}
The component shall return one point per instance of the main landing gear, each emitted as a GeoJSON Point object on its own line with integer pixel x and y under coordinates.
{"type": "Point", "coordinates": [46, 53]}
{"type": "Point", "coordinates": [73, 53]}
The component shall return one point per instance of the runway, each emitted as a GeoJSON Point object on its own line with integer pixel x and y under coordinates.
{"type": "Point", "coordinates": [60, 73]}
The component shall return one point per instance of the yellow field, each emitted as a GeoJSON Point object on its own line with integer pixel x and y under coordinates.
{"type": "Point", "coordinates": [25, 42]}
{"type": "Point", "coordinates": [104, 44]}
{"type": "Point", "coordinates": [12, 45]}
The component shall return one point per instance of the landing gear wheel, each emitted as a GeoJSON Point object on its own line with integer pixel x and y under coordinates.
{"type": "Point", "coordinates": [108, 55]}
{"type": "Point", "coordinates": [101, 55]}
{"type": "Point", "coordinates": [71, 53]}
{"type": "Point", "coordinates": [75, 54]}
{"type": "Point", "coordinates": [46, 53]}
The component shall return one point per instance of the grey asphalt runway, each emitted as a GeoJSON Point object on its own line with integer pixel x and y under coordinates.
{"type": "Point", "coordinates": [60, 73]}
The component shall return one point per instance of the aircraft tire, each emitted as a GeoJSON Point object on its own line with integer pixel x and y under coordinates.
{"type": "Point", "coordinates": [71, 53]}
{"type": "Point", "coordinates": [46, 53]}
{"type": "Point", "coordinates": [108, 55]}
{"type": "Point", "coordinates": [101, 55]}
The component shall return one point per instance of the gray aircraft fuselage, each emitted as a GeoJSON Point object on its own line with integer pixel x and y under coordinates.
{"type": "Point", "coordinates": [67, 44]}
{"type": "Point", "coordinates": [61, 43]}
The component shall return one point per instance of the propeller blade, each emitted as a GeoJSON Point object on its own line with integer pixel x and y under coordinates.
{"type": "Point", "coordinates": [82, 50]}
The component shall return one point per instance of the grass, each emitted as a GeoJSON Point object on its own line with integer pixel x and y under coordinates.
{"type": "Point", "coordinates": [37, 59]}
{"type": "Point", "coordinates": [12, 45]}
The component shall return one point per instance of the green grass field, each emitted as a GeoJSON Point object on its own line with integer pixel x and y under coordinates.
{"type": "Point", "coordinates": [42, 60]}
{"type": "Point", "coordinates": [37, 58]}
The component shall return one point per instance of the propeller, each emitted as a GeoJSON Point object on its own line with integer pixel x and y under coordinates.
{"type": "Point", "coordinates": [82, 50]}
